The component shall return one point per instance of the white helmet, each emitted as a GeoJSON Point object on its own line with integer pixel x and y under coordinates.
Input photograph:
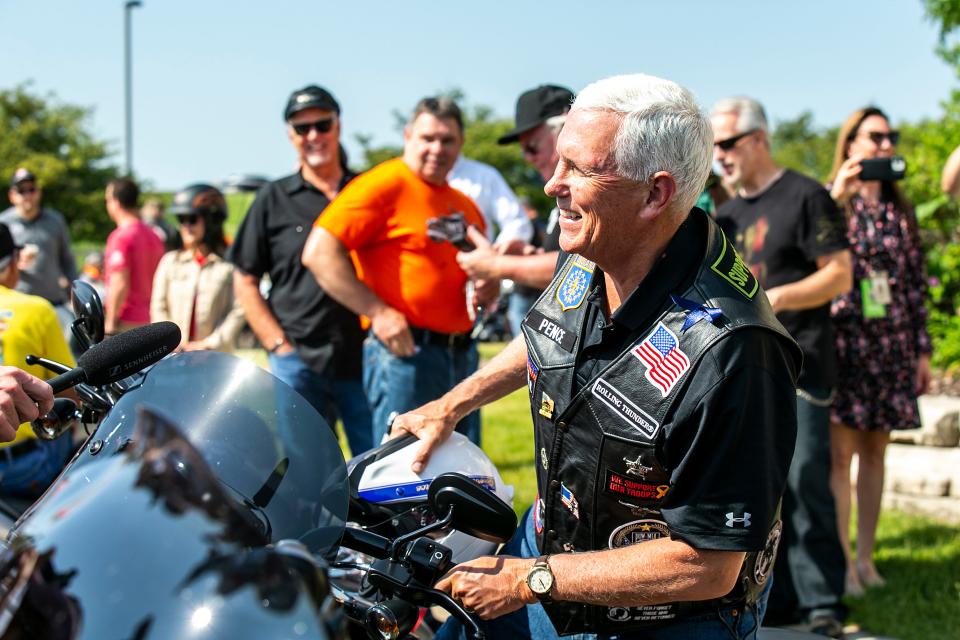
{"type": "Point", "coordinates": [388, 480]}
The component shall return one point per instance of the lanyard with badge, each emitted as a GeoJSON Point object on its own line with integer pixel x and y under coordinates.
{"type": "Point", "coordinates": [875, 291]}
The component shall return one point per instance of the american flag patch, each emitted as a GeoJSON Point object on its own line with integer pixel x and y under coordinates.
{"type": "Point", "coordinates": [569, 501]}
{"type": "Point", "coordinates": [665, 362]}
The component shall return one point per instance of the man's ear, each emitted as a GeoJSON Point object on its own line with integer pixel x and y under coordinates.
{"type": "Point", "coordinates": [662, 190]}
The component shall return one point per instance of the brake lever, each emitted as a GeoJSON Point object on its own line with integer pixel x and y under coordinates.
{"type": "Point", "coordinates": [50, 365]}
{"type": "Point", "coordinates": [443, 600]}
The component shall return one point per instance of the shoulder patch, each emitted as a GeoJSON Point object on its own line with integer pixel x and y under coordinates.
{"type": "Point", "coordinates": [573, 288]}
{"type": "Point", "coordinates": [730, 267]}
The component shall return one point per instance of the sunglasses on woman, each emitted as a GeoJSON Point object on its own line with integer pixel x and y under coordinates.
{"type": "Point", "coordinates": [320, 126]}
{"type": "Point", "coordinates": [877, 137]}
{"type": "Point", "coordinates": [188, 219]}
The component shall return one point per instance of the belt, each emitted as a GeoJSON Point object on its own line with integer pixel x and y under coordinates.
{"type": "Point", "coordinates": [437, 339]}
{"type": "Point", "coordinates": [23, 447]}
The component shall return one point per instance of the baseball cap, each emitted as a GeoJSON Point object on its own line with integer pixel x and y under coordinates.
{"type": "Point", "coordinates": [310, 97]}
{"type": "Point", "coordinates": [7, 245]}
{"type": "Point", "coordinates": [22, 175]}
{"type": "Point", "coordinates": [536, 106]}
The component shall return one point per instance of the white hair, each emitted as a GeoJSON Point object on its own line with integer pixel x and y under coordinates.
{"type": "Point", "coordinates": [750, 113]}
{"type": "Point", "coordinates": [662, 129]}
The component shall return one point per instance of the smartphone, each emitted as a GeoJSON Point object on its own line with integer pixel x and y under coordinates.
{"type": "Point", "coordinates": [884, 169]}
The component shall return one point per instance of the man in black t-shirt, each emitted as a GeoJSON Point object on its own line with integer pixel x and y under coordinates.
{"type": "Point", "coordinates": [791, 234]}
{"type": "Point", "coordinates": [314, 342]}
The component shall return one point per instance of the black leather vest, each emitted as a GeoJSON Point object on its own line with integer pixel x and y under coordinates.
{"type": "Point", "coordinates": [600, 483]}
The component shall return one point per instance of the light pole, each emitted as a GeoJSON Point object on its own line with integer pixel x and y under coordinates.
{"type": "Point", "coordinates": [128, 6]}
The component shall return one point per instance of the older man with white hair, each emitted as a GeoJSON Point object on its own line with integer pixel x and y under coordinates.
{"type": "Point", "coordinates": [662, 395]}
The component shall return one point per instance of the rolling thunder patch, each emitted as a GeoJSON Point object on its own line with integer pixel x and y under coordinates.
{"type": "Point", "coordinates": [625, 409]}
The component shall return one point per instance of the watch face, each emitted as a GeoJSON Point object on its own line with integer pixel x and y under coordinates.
{"type": "Point", "coordinates": [541, 580]}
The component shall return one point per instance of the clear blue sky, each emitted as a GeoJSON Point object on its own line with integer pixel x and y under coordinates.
{"type": "Point", "coordinates": [212, 76]}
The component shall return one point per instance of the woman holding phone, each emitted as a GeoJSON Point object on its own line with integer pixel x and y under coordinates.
{"type": "Point", "coordinates": [883, 348]}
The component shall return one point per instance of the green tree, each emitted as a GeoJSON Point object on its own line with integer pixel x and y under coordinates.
{"type": "Point", "coordinates": [798, 145]}
{"type": "Point", "coordinates": [53, 140]}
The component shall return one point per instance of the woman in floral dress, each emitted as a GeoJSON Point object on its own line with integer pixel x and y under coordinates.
{"type": "Point", "coordinates": [883, 348]}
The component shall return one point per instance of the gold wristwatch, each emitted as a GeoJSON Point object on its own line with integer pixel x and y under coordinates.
{"type": "Point", "coordinates": [540, 579]}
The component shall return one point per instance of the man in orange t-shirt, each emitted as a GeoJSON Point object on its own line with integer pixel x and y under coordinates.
{"type": "Point", "coordinates": [408, 286]}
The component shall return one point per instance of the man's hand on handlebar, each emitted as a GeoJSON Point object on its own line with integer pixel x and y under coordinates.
{"type": "Point", "coordinates": [432, 424]}
{"type": "Point", "coordinates": [23, 398]}
{"type": "Point", "coordinates": [490, 586]}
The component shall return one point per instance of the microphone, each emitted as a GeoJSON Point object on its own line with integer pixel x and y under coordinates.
{"type": "Point", "coordinates": [120, 356]}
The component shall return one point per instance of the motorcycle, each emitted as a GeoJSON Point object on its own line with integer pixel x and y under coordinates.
{"type": "Point", "coordinates": [210, 501]}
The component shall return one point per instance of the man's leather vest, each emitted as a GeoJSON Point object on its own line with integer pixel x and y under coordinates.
{"type": "Point", "coordinates": [600, 483]}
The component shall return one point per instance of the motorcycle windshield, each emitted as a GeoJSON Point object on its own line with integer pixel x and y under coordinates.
{"type": "Point", "coordinates": [266, 444]}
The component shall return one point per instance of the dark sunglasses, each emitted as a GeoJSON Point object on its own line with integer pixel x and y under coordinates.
{"type": "Point", "coordinates": [730, 143]}
{"type": "Point", "coordinates": [24, 191]}
{"type": "Point", "coordinates": [531, 149]}
{"type": "Point", "coordinates": [879, 136]}
{"type": "Point", "coordinates": [321, 126]}
{"type": "Point", "coordinates": [188, 219]}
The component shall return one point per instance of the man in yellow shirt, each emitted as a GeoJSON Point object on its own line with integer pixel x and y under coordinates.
{"type": "Point", "coordinates": [28, 324]}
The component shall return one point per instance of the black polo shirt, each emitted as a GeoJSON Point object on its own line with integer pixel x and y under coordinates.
{"type": "Point", "coordinates": [736, 419]}
{"type": "Point", "coordinates": [270, 240]}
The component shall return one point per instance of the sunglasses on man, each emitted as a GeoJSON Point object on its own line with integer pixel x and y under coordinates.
{"type": "Point", "coordinates": [26, 191]}
{"type": "Point", "coordinates": [731, 142]}
{"type": "Point", "coordinates": [320, 126]}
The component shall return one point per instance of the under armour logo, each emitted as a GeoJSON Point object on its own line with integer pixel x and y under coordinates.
{"type": "Point", "coordinates": [743, 522]}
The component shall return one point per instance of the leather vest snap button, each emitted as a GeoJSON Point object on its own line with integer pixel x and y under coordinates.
{"type": "Point", "coordinates": [554, 484]}
{"type": "Point", "coordinates": [562, 426]}
{"type": "Point", "coordinates": [552, 534]}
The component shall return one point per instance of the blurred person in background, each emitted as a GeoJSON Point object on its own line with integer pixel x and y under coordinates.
{"type": "Point", "coordinates": [372, 250]}
{"type": "Point", "coordinates": [28, 325]}
{"type": "Point", "coordinates": [883, 349]}
{"type": "Point", "coordinates": [152, 213]}
{"type": "Point", "coordinates": [193, 287]}
{"type": "Point", "coordinates": [790, 234]}
{"type": "Point", "coordinates": [131, 257]}
{"type": "Point", "coordinates": [47, 265]}
{"type": "Point", "coordinates": [314, 342]}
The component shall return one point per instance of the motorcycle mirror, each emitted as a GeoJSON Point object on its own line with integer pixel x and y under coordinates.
{"type": "Point", "coordinates": [64, 416]}
{"type": "Point", "coordinates": [476, 511]}
{"type": "Point", "coordinates": [87, 307]}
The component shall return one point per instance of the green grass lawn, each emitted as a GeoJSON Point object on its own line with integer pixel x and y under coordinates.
{"type": "Point", "coordinates": [920, 558]}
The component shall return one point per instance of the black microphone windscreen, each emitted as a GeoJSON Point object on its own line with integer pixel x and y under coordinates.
{"type": "Point", "coordinates": [126, 353]}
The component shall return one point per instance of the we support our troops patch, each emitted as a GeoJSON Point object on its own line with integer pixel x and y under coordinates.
{"type": "Point", "coordinates": [573, 288]}
{"type": "Point", "coordinates": [731, 268]}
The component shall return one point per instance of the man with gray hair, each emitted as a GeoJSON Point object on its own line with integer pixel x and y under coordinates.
{"type": "Point", "coordinates": [658, 484]}
{"type": "Point", "coordinates": [792, 236]}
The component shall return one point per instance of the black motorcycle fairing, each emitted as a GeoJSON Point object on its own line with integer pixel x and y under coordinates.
{"type": "Point", "coordinates": [157, 532]}
{"type": "Point", "coordinates": [259, 437]}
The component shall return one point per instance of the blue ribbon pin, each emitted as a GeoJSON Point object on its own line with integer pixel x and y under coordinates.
{"type": "Point", "coordinates": [695, 312]}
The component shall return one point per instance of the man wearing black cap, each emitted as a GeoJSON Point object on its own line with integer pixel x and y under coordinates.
{"type": "Point", "coordinates": [28, 324]}
{"type": "Point", "coordinates": [539, 118]}
{"type": "Point", "coordinates": [47, 266]}
{"type": "Point", "coordinates": [314, 343]}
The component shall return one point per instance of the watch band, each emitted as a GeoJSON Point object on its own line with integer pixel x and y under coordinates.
{"type": "Point", "coordinates": [279, 342]}
{"type": "Point", "coordinates": [543, 563]}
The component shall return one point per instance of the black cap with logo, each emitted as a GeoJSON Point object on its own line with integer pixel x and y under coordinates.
{"type": "Point", "coordinates": [536, 106]}
{"type": "Point", "coordinates": [310, 97]}
{"type": "Point", "coordinates": [22, 175]}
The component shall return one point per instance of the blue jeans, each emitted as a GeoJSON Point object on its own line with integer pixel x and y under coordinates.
{"type": "Point", "coordinates": [396, 385]}
{"type": "Point", "coordinates": [531, 622]}
{"type": "Point", "coordinates": [29, 475]}
{"type": "Point", "coordinates": [331, 397]}
{"type": "Point", "coordinates": [810, 567]}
